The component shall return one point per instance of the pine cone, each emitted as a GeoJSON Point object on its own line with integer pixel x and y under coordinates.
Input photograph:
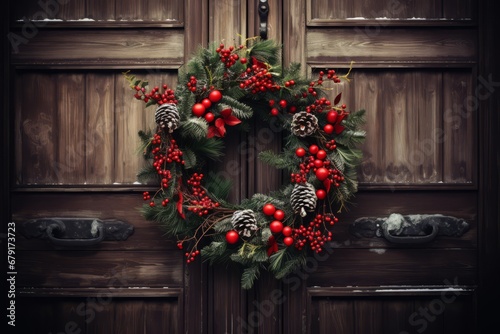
{"type": "Point", "coordinates": [304, 124]}
{"type": "Point", "coordinates": [244, 222]}
{"type": "Point", "coordinates": [303, 198]}
{"type": "Point", "coordinates": [167, 116]}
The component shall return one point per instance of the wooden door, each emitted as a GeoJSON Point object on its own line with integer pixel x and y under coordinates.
{"type": "Point", "coordinates": [72, 124]}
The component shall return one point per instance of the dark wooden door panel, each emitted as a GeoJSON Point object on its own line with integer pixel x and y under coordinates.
{"type": "Point", "coordinates": [441, 313]}
{"type": "Point", "coordinates": [102, 313]}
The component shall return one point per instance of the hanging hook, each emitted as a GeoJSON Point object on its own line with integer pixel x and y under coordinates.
{"type": "Point", "coordinates": [263, 14]}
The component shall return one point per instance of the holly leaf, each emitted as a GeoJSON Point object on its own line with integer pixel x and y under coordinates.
{"type": "Point", "coordinates": [337, 99]}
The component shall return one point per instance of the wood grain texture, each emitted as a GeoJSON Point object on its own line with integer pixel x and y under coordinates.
{"type": "Point", "coordinates": [81, 128]}
{"type": "Point", "coordinates": [414, 119]}
{"type": "Point", "coordinates": [359, 267]}
{"type": "Point", "coordinates": [402, 314]}
{"type": "Point", "coordinates": [389, 45]}
{"type": "Point", "coordinates": [36, 129]}
{"type": "Point", "coordinates": [93, 10]}
{"type": "Point", "coordinates": [322, 10]}
{"type": "Point", "coordinates": [227, 21]}
{"type": "Point", "coordinates": [460, 108]}
{"type": "Point", "coordinates": [294, 35]}
{"type": "Point", "coordinates": [99, 269]}
{"type": "Point", "coordinates": [71, 143]}
{"type": "Point", "coordinates": [99, 137]}
{"type": "Point", "coordinates": [102, 48]}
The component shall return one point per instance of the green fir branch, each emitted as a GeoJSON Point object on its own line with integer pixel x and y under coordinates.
{"type": "Point", "coordinates": [249, 276]}
{"type": "Point", "coordinates": [194, 127]}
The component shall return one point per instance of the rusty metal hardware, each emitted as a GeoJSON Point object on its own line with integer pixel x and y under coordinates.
{"type": "Point", "coordinates": [263, 14]}
{"type": "Point", "coordinates": [76, 232]}
{"type": "Point", "coordinates": [409, 229]}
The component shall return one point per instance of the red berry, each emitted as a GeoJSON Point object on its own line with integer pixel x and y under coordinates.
{"type": "Point", "coordinates": [215, 96]}
{"type": "Point", "coordinates": [276, 226]}
{"type": "Point", "coordinates": [209, 117]}
{"type": "Point", "coordinates": [300, 152]}
{"type": "Point", "coordinates": [206, 103]}
{"type": "Point", "coordinates": [318, 163]}
{"type": "Point", "coordinates": [331, 117]}
{"type": "Point", "coordinates": [269, 209]}
{"type": "Point", "coordinates": [283, 104]}
{"type": "Point", "coordinates": [328, 128]}
{"type": "Point", "coordinates": [321, 154]}
{"type": "Point", "coordinates": [320, 194]}
{"type": "Point", "coordinates": [288, 241]}
{"type": "Point", "coordinates": [198, 109]}
{"type": "Point", "coordinates": [232, 237]}
{"type": "Point", "coordinates": [322, 174]}
{"type": "Point", "coordinates": [275, 112]}
{"type": "Point", "coordinates": [243, 60]}
{"type": "Point", "coordinates": [287, 231]}
{"type": "Point", "coordinates": [313, 149]}
{"type": "Point", "coordinates": [279, 215]}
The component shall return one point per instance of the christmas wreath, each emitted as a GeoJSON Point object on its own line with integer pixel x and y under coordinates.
{"type": "Point", "coordinates": [225, 86]}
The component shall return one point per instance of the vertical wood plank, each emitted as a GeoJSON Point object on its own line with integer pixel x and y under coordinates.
{"type": "Point", "coordinates": [457, 317]}
{"type": "Point", "coordinates": [130, 10]}
{"type": "Point", "coordinates": [430, 318]}
{"type": "Point", "coordinates": [459, 113]}
{"type": "Point", "coordinates": [336, 315]}
{"type": "Point", "coordinates": [368, 316]}
{"type": "Point", "coordinates": [196, 26]}
{"type": "Point", "coordinates": [227, 21]}
{"type": "Point", "coordinates": [458, 9]}
{"type": "Point", "coordinates": [162, 316]}
{"type": "Point", "coordinates": [100, 10]}
{"type": "Point", "coordinates": [71, 10]}
{"type": "Point", "coordinates": [396, 133]}
{"type": "Point", "coordinates": [36, 129]}
{"type": "Point", "coordinates": [71, 114]}
{"type": "Point", "coordinates": [129, 316]}
{"type": "Point", "coordinates": [227, 302]}
{"type": "Point", "coordinates": [294, 26]}
{"type": "Point", "coordinates": [131, 116]}
{"type": "Point", "coordinates": [396, 315]}
{"type": "Point", "coordinates": [55, 315]}
{"type": "Point", "coordinates": [100, 147]}
{"type": "Point", "coordinates": [366, 95]}
{"type": "Point", "coordinates": [426, 152]}
{"type": "Point", "coordinates": [100, 317]}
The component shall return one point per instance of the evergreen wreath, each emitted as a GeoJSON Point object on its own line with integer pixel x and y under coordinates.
{"type": "Point", "coordinates": [223, 87]}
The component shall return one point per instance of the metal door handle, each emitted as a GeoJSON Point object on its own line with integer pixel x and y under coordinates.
{"type": "Point", "coordinates": [409, 229]}
{"type": "Point", "coordinates": [76, 232]}
{"type": "Point", "coordinates": [410, 239]}
{"type": "Point", "coordinates": [263, 14]}
{"type": "Point", "coordinates": [59, 227]}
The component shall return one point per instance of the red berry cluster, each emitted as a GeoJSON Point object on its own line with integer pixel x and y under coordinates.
{"type": "Point", "coordinates": [319, 105]}
{"type": "Point", "coordinates": [258, 79]}
{"type": "Point", "coordinates": [331, 145]}
{"type": "Point", "coordinates": [315, 160]}
{"type": "Point", "coordinates": [191, 85]}
{"type": "Point", "coordinates": [277, 228]}
{"type": "Point", "coordinates": [331, 75]}
{"type": "Point", "coordinates": [161, 157]}
{"type": "Point", "coordinates": [228, 56]}
{"type": "Point", "coordinates": [167, 96]}
{"type": "Point", "coordinates": [315, 235]}
{"type": "Point", "coordinates": [200, 204]}
{"type": "Point", "coordinates": [190, 256]}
